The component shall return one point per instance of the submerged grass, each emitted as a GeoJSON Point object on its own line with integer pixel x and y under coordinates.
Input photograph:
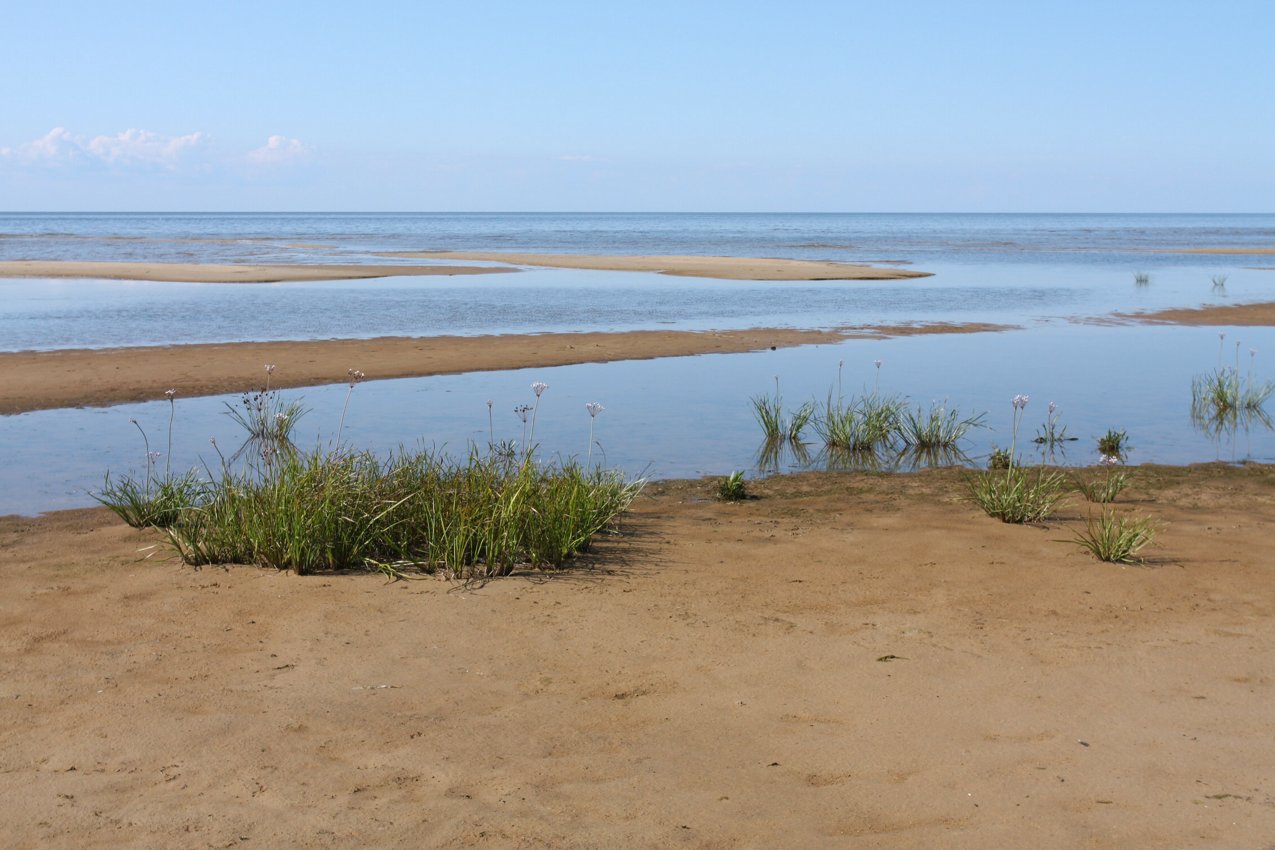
{"type": "Point", "coordinates": [937, 428]}
{"type": "Point", "coordinates": [859, 425]}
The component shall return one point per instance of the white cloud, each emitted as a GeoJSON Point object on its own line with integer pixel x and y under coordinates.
{"type": "Point", "coordinates": [132, 147]}
{"type": "Point", "coordinates": [279, 149]}
{"type": "Point", "coordinates": [142, 146]}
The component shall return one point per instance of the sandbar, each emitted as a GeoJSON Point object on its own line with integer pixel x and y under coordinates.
{"type": "Point", "coordinates": [1256, 315]}
{"type": "Point", "coordinates": [724, 268]}
{"type": "Point", "coordinates": [226, 273]}
{"type": "Point", "coordinates": [39, 380]}
{"type": "Point", "coordinates": [847, 661]}
{"type": "Point", "coordinates": [1266, 250]}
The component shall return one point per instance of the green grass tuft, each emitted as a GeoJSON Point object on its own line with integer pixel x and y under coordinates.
{"type": "Point", "coordinates": [1114, 538]}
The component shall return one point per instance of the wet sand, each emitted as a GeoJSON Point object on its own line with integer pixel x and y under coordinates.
{"type": "Point", "coordinates": [41, 380]}
{"type": "Point", "coordinates": [725, 268]}
{"type": "Point", "coordinates": [213, 273]}
{"type": "Point", "coordinates": [848, 661]}
{"type": "Point", "coordinates": [1261, 315]}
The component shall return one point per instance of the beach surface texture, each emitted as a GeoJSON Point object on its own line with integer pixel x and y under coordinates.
{"type": "Point", "coordinates": [847, 660]}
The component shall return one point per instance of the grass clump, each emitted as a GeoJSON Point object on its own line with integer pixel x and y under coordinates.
{"type": "Point", "coordinates": [155, 502]}
{"type": "Point", "coordinates": [1141, 278]}
{"type": "Point", "coordinates": [937, 428]}
{"type": "Point", "coordinates": [1223, 393]}
{"type": "Point", "coordinates": [1219, 281]}
{"type": "Point", "coordinates": [859, 425]}
{"type": "Point", "coordinates": [732, 488]}
{"type": "Point", "coordinates": [1014, 494]}
{"type": "Point", "coordinates": [1017, 495]}
{"type": "Point", "coordinates": [1113, 443]}
{"type": "Point", "coordinates": [775, 426]}
{"type": "Point", "coordinates": [343, 510]}
{"type": "Point", "coordinates": [1114, 538]}
{"type": "Point", "coordinates": [1106, 488]}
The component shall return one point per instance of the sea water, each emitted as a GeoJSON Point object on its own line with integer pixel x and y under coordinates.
{"type": "Point", "coordinates": [1046, 275]}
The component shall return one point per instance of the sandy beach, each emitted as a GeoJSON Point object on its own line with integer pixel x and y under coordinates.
{"type": "Point", "coordinates": [39, 380]}
{"type": "Point", "coordinates": [725, 268]}
{"type": "Point", "coordinates": [215, 273]}
{"type": "Point", "coordinates": [849, 660]}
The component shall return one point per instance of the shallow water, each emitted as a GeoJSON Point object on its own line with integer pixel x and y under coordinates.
{"type": "Point", "coordinates": [672, 417]}
{"type": "Point", "coordinates": [691, 416]}
{"type": "Point", "coordinates": [49, 314]}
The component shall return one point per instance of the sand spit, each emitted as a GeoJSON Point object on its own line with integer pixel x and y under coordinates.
{"type": "Point", "coordinates": [213, 273]}
{"type": "Point", "coordinates": [1220, 251]}
{"type": "Point", "coordinates": [850, 660]}
{"type": "Point", "coordinates": [39, 380]}
{"type": "Point", "coordinates": [726, 268]}
{"type": "Point", "coordinates": [1261, 315]}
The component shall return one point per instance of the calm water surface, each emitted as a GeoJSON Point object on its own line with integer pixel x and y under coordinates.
{"type": "Point", "coordinates": [672, 417]}
{"type": "Point", "coordinates": [681, 417]}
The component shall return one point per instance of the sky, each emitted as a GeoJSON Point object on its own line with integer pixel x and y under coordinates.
{"type": "Point", "coordinates": [651, 106]}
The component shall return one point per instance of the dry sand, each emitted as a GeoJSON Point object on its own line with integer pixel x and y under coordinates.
{"type": "Point", "coordinates": [1262, 314]}
{"type": "Point", "coordinates": [850, 661]}
{"type": "Point", "coordinates": [727, 268]}
{"type": "Point", "coordinates": [213, 273]}
{"type": "Point", "coordinates": [77, 377]}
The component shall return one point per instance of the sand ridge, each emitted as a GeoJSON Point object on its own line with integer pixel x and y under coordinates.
{"type": "Point", "coordinates": [228, 273]}
{"type": "Point", "coordinates": [1261, 314]}
{"type": "Point", "coordinates": [725, 268]}
{"type": "Point", "coordinates": [849, 660]}
{"type": "Point", "coordinates": [39, 380]}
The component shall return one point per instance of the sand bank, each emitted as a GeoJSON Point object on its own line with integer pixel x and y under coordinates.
{"type": "Point", "coordinates": [1221, 251]}
{"type": "Point", "coordinates": [1262, 314]}
{"type": "Point", "coordinates": [213, 273]}
{"type": "Point", "coordinates": [726, 268]}
{"type": "Point", "coordinates": [38, 380]}
{"type": "Point", "coordinates": [848, 661]}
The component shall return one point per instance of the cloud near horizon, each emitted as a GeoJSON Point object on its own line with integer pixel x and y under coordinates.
{"type": "Point", "coordinates": [278, 149]}
{"type": "Point", "coordinates": [132, 147]}
{"type": "Point", "coordinates": [135, 148]}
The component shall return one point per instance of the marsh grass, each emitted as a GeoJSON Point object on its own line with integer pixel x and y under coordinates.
{"type": "Point", "coordinates": [268, 420]}
{"type": "Point", "coordinates": [1219, 281]}
{"type": "Point", "coordinates": [775, 426]}
{"type": "Point", "coordinates": [1114, 538]}
{"type": "Point", "coordinates": [341, 510]}
{"type": "Point", "coordinates": [937, 428]}
{"type": "Point", "coordinates": [859, 425]}
{"type": "Point", "coordinates": [1141, 278]}
{"type": "Point", "coordinates": [157, 503]}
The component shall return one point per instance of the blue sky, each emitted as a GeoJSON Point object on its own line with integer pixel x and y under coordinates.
{"type": "Point", "coordinates": [639, 106]}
